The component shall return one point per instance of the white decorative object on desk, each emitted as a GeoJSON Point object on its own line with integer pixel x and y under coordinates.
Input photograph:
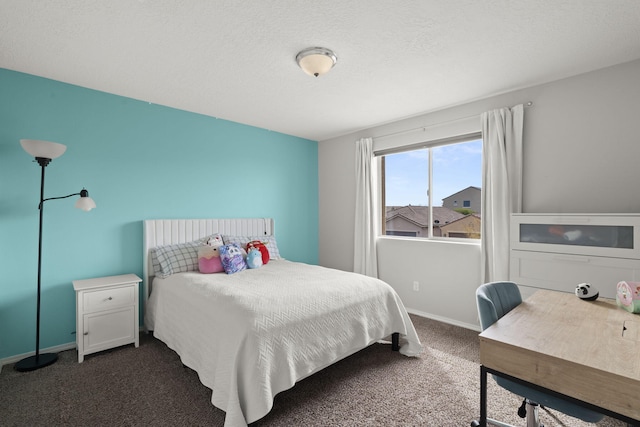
{"type": "Point", "coordinates": [106, 313]}
{"type": "Point", "coordinates": [586, 292]}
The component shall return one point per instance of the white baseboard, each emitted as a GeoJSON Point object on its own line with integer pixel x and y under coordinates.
{"type": "Point", "coordinates": [54, 349]}
{"type": "Point", "coordinates": [444, 320]}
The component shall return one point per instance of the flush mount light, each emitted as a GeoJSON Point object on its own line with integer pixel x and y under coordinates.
{"type": "Point", "coordinates": [316, 61]}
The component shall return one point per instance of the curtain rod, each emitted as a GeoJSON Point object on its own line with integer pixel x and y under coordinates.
{"type": "Point", "coordinates": [423, 128]}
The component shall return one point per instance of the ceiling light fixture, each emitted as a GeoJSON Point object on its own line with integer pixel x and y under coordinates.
{"type": "Point", "coordinates": [316, 61]}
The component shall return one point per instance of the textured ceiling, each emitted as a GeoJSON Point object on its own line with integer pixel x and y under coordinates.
{"type": "Point", "coordinates": [235, 59]}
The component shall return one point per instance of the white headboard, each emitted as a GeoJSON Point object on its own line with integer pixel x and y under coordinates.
{"type": "Point", "coordinates": [160, 232]}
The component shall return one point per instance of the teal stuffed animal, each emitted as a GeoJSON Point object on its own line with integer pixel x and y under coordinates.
{"type": "Point", "coordinates": [254, 258]}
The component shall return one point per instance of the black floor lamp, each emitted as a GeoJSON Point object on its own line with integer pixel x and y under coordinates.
{"type": "Point", "coordinates": [44, 152]}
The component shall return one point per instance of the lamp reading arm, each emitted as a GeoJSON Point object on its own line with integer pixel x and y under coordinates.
{"type": "Point", "coordinates": [85, 202]}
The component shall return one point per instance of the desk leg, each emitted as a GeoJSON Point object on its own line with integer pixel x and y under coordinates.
{"type": "Point", "coordinates": [482, 421]}
{"type": "Point", "coordinates": [483, 396]}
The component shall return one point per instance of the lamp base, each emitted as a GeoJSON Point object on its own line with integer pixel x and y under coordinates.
{"type": "Point", "coordinates": [32, 363]}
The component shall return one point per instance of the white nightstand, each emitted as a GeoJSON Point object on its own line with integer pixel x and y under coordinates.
{"type": "Point", "coordinates": [106, 313]}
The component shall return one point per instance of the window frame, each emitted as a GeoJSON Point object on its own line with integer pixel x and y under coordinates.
{"type": "Point", "coordinates": [380, 165]}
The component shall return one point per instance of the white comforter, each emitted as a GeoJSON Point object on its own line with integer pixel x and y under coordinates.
{"type": "Point", "coordinates": [253, 334]}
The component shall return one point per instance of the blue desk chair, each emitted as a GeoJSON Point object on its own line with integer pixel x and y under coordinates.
{"type": "Point", "coordinates": [494, 300]}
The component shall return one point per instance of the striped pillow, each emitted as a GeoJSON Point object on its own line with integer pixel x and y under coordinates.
{"type": "Point", "coordinates": [178, 258]}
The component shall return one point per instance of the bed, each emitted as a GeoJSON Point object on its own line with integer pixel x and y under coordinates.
{"type": "Point", "coordinates": [255, 333]}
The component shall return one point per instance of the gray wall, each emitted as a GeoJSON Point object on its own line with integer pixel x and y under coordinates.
{"type": "Point", "coordinates": [581, 153]}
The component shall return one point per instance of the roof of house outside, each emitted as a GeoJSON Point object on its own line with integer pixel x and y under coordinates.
{"type": "Point", "coordinates": [463, 217]}
{"type": "Point", "coordinates": [419, 215]}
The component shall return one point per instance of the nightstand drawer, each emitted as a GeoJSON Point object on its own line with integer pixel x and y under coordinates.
{"type": "Point", "coordinates": [105, 299]}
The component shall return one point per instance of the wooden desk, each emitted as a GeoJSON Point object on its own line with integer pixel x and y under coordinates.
{"type": "Point", "coordinates": [589, 351]}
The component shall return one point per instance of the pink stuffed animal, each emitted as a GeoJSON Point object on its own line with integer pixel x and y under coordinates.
{"type": "Point", "coordinates": [209, 259]}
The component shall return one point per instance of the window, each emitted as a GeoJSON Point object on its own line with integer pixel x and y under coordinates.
{"type": "Point", "coordinates": [422, 188]}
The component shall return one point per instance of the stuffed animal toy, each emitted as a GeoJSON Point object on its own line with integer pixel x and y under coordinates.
{"type": "Point", "coordinates": [232, 259]}
{"type": "Point", "coordinates": [628, 296]}
{"type": "Point", "coordinates": [215, 241]}
{"type": "Point", "coordinates": [587, 292]}
{"type": "Point", "coordinates": [209, 259]}
{"type": "Point", "coordinates": [254, 257]}
{"type": "Point", "coordinates": [262, 248]}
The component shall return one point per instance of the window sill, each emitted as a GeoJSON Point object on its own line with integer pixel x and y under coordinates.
{"type": "Point", "coordinates": [439, 240]}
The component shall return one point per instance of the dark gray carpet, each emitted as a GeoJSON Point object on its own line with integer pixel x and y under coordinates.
{"type": "Point", "coordinates": [149, 386]}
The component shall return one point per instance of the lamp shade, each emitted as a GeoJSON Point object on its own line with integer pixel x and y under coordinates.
{"type": "Point", "coordinates": [43, 149]}
{"type": "Point", "coordinates": [85, 202]}
{"type": "Point", "coordinates": [316, 61]}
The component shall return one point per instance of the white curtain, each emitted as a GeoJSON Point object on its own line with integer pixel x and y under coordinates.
{"type": "Point", "coordinates": [501, 186]}
{"type": "Point", "coordinates": [364, 253]}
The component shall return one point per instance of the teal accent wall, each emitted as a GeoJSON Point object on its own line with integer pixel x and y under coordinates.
{"type": "Point", "coordinates": [138, 161]}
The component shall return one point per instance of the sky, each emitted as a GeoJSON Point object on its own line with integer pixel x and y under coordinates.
{"type": "Point", "coordinates": [455, 167]}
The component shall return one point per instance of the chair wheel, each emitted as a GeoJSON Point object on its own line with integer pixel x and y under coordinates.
{"type": "Point", "coordinates": [522, 410]}
{"type": "Point", "coordinates": [475, 424]}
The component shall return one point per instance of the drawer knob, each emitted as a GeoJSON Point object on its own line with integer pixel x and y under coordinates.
{"type": "Point", "coordinates": [86, 333]}
{"type": "Point", "coordinates": [109, 299]}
